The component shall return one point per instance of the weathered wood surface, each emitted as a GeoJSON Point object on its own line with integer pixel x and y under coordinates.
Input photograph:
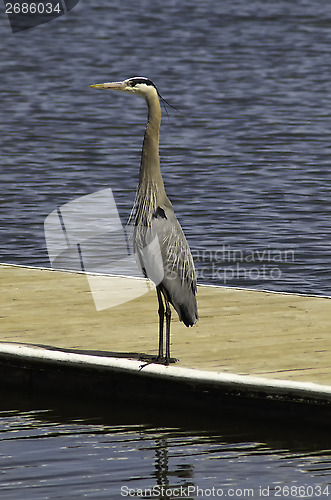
{"type": "Point", "coordinates": [282, 336]}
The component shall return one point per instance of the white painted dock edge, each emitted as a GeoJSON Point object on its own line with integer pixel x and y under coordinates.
{"type": "Point", "coordinates": [283, 389]}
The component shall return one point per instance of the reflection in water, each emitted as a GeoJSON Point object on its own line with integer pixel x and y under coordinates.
{"type": "Point", "coordinates": [167, 480]}
{"type": "Point", "coordinates": [161, 462]}
{"type": "Point", "coordinates": [97, 450]}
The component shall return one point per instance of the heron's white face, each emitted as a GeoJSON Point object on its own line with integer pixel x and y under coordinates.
{"type": "Point", "coordinates": [137, 85]}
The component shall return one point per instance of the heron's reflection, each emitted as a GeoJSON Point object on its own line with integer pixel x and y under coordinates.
{"type": "Point", "coordinates": [170, 481]}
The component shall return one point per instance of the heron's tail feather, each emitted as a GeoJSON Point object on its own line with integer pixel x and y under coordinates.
{"type": "Point", "coordinates": [188, 315]}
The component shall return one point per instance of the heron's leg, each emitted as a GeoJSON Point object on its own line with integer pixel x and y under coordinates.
{"type": "Point", "coordinates": [168, 322]}
{"type": "Point", "coordinates": [161, 322]}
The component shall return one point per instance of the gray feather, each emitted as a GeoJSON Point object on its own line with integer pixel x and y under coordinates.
{"type": "Point", "coordinates": [172, 255]}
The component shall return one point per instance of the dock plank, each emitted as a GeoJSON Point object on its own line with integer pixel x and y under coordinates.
{"type": "Point", "coordinates": [281, 336]}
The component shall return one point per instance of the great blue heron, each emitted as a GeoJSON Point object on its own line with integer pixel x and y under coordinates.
{"type": "Point", "coordinates": [169, 262]}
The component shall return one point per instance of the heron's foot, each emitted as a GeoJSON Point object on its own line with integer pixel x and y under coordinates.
{"type": "Point", "coordinates": [160, 360]}
{"type": "Point", "coordinates": [164, 360]}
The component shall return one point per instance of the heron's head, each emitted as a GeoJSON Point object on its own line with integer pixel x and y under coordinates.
{"type": "Point", "coordinates": [137, 85]}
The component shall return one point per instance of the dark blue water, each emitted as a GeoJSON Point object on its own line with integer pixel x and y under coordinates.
{"type": "Point", "coordinates": [112, 453]}
{"type": "Point", "coordinates": [246, 163]}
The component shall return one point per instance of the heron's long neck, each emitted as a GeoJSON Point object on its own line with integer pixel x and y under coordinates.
{"type": "Point", "coordinates": [150, 178]}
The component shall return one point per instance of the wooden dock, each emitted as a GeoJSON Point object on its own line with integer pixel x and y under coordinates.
{"type": "Point", "coordinates": [279, 345]}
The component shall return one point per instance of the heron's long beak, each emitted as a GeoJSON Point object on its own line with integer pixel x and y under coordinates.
{"type": "Point", "coordinates": [110, 85]}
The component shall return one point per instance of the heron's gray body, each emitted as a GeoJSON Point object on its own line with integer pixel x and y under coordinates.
{"type": "Point", "coordinates": [159, 242]}
{"type": "Point", "coordinates": [168, 262]}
